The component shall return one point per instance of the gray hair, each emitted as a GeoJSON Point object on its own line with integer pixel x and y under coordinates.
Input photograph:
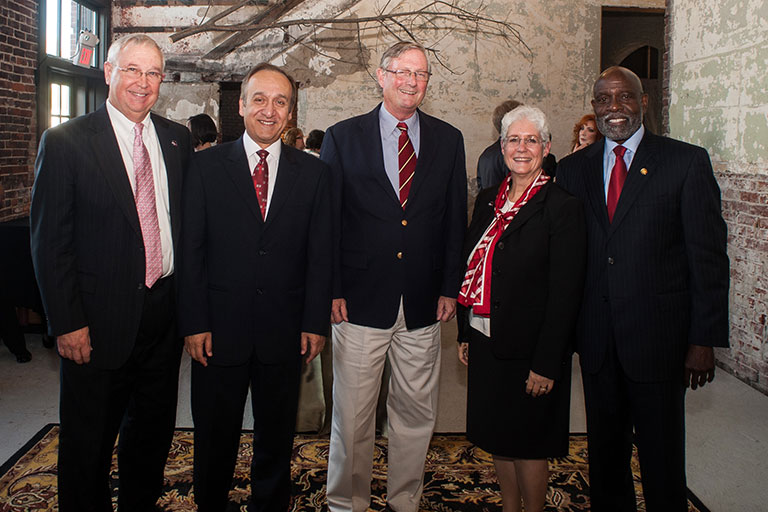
{"type": "Point", "coordinates": [532, 114]}
{"type": "Point", "coordinates": [138, 39]}
{"type": "Point", "coordinates": [400, 48]}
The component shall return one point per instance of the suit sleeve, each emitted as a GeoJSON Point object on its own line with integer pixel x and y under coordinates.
{"type": "Point", "coordinates": [329, 153]}
{"type": "Point", "coordinates": [455, 222]}
{"type": "Point", "coordinates": [705, 235]}
{"type": "Point", "coordinates": [567, 267]}
{"type": "Point", "coordinates": [317, 299]}
{"type": "Point", "coordinates": [192, 271]}
{"type": "Point", "coordinates": [52, 218]}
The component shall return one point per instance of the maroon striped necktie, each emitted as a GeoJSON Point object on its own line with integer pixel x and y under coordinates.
{"type": "Point", "coordinates": [406, 161]}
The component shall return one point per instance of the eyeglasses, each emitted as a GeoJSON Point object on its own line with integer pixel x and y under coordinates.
{"type": "Point", "coordinates": [136, 73]}
{"type": "Point", "coordinates": [405, 74]}
{"type": "Point", "coordinates": [515, 141]}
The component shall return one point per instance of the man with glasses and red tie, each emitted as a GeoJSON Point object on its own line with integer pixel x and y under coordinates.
{"type": "Point", "coordinates": [400, 209]}
{"type": "Point", "coordinates": [656, 295]}
{"type": "Point", "coordinates": [105, 224]}
{"type": "Point", "coordinates": [254, 291]}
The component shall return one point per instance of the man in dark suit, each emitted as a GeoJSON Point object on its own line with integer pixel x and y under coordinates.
{"type": "Point", "coordinates": [255, 291]}
{"type": "Point", "coordinates": [656, 295]}
{"type": "Point", "coordinates": [400, 187]}
{"type": "Point", "coordinates": [105, 221]}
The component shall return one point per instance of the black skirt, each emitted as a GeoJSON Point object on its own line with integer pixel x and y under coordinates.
{"type": "Point", "coordinates": [502, 419]}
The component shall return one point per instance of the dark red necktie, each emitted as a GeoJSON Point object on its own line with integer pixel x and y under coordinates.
{"type": "Point", "coordinates": [261, 181]}
{"type": "Point", "coordinates": [406, 160]}
{"type": "Point", "coordinates": [618, 175]}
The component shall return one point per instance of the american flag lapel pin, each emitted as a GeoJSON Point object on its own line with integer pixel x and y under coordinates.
{"type": "Point", "coordinates": [174, 143]}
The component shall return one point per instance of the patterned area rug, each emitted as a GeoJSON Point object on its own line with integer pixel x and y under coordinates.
{"type": "Point", "coordinates": [459, 477]}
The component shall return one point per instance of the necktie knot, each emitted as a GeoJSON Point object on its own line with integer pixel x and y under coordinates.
{"type": "Point", "coordinates": [262, 153]}
{"type": "Point", "coordinates": [402, 127]}
{"type": "Point", "coordinates": [137, 129]}
{"type": "Point", "coordinates": [619, 150]}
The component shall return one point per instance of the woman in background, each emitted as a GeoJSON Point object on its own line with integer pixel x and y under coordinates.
{"type": "Point", "coordinates": [203, 131]}
{"type": "Point", "coordinates": [585, 132]}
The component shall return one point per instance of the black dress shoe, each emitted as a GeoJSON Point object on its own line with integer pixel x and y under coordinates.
{"type": "Point", "coordinates": [23, 357]}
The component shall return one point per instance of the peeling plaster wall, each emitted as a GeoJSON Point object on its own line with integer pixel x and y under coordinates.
{"type": "Point", "coordinates": [719, 100]}
{"type": "Point", "coordinates": [555, 75]}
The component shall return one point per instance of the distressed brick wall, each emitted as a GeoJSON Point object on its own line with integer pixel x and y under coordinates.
{"type": "Point", "coordinates": [18, 59]}
{"type": "Point", "coordinates": [745, 208]}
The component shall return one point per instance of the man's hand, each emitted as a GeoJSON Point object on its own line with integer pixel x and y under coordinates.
{"type": "Point", "coordinates": [76, 345]}
{"type": "Point", "coordinates": [339, 311]}
{"type": "Point", "coordinates": [446, 308]}
{"type": "Point", "coordinates": [699, 366]}
{"type": "Point", "coordinates": [537, 385]}
{"type": "Point", "coordinates": [199, 346]}
{"type": "Point", "coordinates": [464, 353]}
{"type": "Point", "coordinates": [312, 344]}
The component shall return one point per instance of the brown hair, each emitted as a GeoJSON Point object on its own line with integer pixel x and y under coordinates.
{"type": "Point", "coordinates": [577, 127]}
{"type": "Point", "coordinates": [290, 136]}
{"type": "Point", "coordinates": [500, 110]}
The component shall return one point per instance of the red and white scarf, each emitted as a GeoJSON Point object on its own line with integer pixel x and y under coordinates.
{"type": "Point", "coordinates": [475, 290]}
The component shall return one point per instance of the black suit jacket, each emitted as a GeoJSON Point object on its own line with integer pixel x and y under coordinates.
{"type": "Point", "coordinates": [86, 240]}
{"type": "Point", "coordinates": [657, 276]}
{"type": "Point", "coordinates": [255, 285]}
{"type": "Point", "coordinates": [381, 251]}
{"type": "Point", "coordinates": [537, 278]}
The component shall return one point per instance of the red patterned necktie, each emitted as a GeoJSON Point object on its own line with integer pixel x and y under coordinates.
{"type": "Point", "coordinates": [261, 181]}
{"type": "Point", "coordinates": [618, 175]}
{"type": "Point", "coordinates": [147, 209]}
{"type": "Point", "coordinates": [406, 161]}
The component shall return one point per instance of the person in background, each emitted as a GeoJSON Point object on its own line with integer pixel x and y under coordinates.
{"type": "Point", "coordinates": [585, 132]}
{"type": "Point", "coordinates": [314, 142]}
{"type": "Point", "coordinates": [203, 130]}
{"type": "Point", "coordinates": [400, 212]}
{"type": "Point", "coordinates": [491, 169]}
{"type": "Point", "coordinates": [295, 138]}
{"type": "Point", "coordinates": [526, 254]}
{"type": "Point", "coordinates": [105, 213]}
{"type": "Point", "coordinates": [656, 295]}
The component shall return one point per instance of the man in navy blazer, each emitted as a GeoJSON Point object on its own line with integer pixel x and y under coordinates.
{"type": "Point", "coordinates": [397, 241]}
{"type": "Point", "coordinates": [107, 286]}
{"type": "Point", "coordinates": [656, 295]}
{"type": "Point", "coordinates": [255, 291]}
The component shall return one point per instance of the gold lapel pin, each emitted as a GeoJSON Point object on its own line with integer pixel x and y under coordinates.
{"type": "Point", "coordinates": [643, 171]}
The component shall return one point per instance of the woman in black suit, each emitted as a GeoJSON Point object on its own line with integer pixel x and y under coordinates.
{"type": "Point", "coordinates": [525, 254]}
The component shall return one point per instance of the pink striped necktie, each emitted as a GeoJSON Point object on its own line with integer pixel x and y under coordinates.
{"type": "Point", "coordinates": [147, 209]}
{"type": "Point", "coordinates": [406, 161]}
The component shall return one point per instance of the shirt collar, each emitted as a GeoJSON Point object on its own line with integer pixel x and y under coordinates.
{"type": "Point", "coordinates": [389, 122]}
{"type": "Point", "coordinates": [631, 143]}
{"type": "Point", "coordinates": [252, 147]}
{"type": "Point", "coordinates": [121, 122]}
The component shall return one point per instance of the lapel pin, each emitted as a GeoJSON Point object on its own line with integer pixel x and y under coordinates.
{"type": "Point", "coordinates": [643, 171]}
{"type": "Point", "coordinates": [174, 143]}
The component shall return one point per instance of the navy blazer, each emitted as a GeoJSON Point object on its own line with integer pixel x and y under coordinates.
{"type": "Point", "coordinates": [383, 252]}
{"type": "Point", "coordinates": [537, 278]}
{"type": "Point", "coordinates": [87, 246]}
{"type": "Point", "coordinates": [657, 276]}
{"type": "Point", "coordinates": [255, 285]}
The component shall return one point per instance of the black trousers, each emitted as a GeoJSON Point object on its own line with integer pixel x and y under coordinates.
{"type": "Point", "coordinates": [218, 401]}
{"type": "Point", "coordinates": [10, 331]}
{"type": "Point", "coordinates": [138, 401]}
{"type": "Point", "coordinates": [614, 405]}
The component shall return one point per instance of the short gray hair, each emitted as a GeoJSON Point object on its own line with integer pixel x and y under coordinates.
{"type": "Point", "coordinates": [138, 39]}
{"type": "Point", "coordinates": [532, 114]}
{"type": "Point", "coordinates": [400, 48]}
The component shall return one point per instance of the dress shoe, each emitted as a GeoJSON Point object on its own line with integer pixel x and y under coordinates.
{"type": "Point", "coordinates": [23, 357]}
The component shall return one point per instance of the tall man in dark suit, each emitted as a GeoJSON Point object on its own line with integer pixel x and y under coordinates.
{"type": "Point", "coordinates": [255, 291]}
{"type": "Point", "coordinates": [105, 220]}
{"type": "Point", "coordinates": [656, 295]}
{"type": "Point", "coordinates": [400, 211]}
